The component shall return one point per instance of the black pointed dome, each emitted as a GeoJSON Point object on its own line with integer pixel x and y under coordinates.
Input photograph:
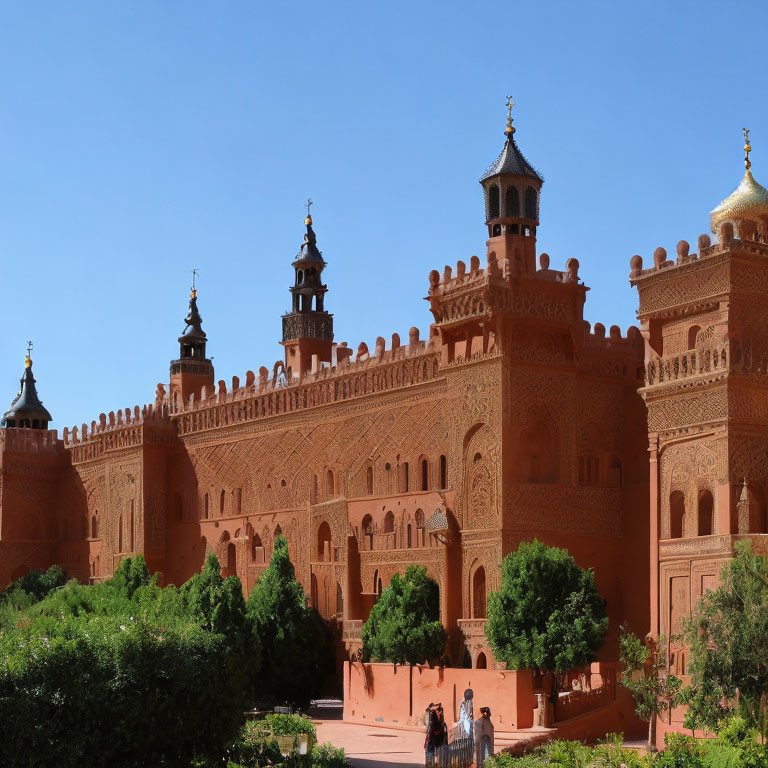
{"type": "Point", "coordinates": [26, 410]}
{"type": "Point", "coordinates": [193, 320]}
{"type": "Point", "coordinates": [309, 250]}
{"type": "Point", "coordinates": [511, 161]}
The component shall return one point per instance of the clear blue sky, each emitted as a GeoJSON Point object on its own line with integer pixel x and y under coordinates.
{"type": "Point", "coordinates": [141, 138]}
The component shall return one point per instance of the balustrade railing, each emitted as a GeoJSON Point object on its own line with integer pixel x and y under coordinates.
{"type": "Point", "coordinates": [694, 362]}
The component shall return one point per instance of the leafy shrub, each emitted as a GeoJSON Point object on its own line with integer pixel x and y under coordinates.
{"type": "Point", "coordinates": [87, 658]}
{"type": "Point", "coordinates": [404, 626]}
{"type": "Point", "coordinates": [33, 586]}
{"type": "Point", "coordinates": [328, 756]}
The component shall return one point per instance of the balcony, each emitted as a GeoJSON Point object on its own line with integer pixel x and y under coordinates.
{"type": "Point", "coordinates": [697, 547]}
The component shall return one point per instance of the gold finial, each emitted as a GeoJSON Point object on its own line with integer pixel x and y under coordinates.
{"type": "Point", "coordinates": [747, 148]}
{"type": "Point", "coordinates": [28, 359]}
{"type": "Point", "coordinates": [510, 129]}
{"type": "Point", "coordinates": [193, 292]}
{"type": "Point", "coordinates": [308, 205]}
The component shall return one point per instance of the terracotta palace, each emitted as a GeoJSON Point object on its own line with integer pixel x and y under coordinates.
{"type": "Point", "coordinates": [645, 454]}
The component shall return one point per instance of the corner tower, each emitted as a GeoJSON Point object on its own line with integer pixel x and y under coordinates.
{"type": "Point", "coordinates": [512, 189]}
{"type": "Point", "coordinates": [308, 327]}
{"type": "Point", "coordinates": [27, 411]}
{"type": "Point", "coordinates": [192, 370]}
{"type": "Point", "coordinates": [703, 317]}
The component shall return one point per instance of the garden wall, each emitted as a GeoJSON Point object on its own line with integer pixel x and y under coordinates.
{"type": "Point", "coordinates": [392, 693]}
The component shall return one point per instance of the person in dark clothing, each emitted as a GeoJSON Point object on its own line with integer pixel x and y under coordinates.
{"type": "Point", "coordinates": [437, 732]}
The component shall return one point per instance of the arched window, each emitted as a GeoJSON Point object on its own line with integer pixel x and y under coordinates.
{"type": "Point", "coordinates": [676, 515]}
{"type": "Point", "coordinates": [339, 599]}
{"type": "Point", "coordinates": [367, 525]}
{"type": "Point", "coordinates": [376, 582]}
{"type": "Point", "coordinates": [693, 332]}
{"type": "Point", "coordinates": [706, 513]}
{"type": "Point", "coordinates": [478, 594]}
{"type": "Point", "coordinates": [404, 476]}
{"type": "Point", "coordinates": [443, 472]}
{"type": "Point", "coordinates": [389, 522]}
{"type": "Point", "coordinates": [369, 480]}
{"type": "Point", "coordinates": [231, 568]}
{"type": "Point", "coordinates": [493, 202]}
{"type": "Point", "coordinates": [205, 513]}
{"type": "Point", "coordinates": [94, 528]}
{"type": "Point", "coordinates": [257, 550]}
{"type": "Point", "coordinates": [512, 202]}
{"type": "Point", "coordinates": [425, 474]}
{"type": "Point", "coordinates": [481, 662]}
{"type": "Point", "coordinates": [132, 530]}
{"type": "Point", "coordinates": [120, 533]}
{"type": "Point", "coordinates": [222, 502]}
{"type": "Point", "coordinates": [238, 500]}
{"type": "Point", "coordinates": [420, 537]}
{"type": "Point", "coordinates": [530, 203]}
{"type": "Point", "coordinates": [324, 542]}
{"type": "Point", "coordinates": [330, 486]}
{"type": "Point", "coordinates": [313, 591]}
{"type": "Point", "coordinates": [409, 534]}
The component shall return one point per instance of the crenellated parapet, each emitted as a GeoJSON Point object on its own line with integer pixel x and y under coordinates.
{"type": "Point", "coordinates": [30, 441]}
{"type": "Point", "coordinates": [117, 431]}
{"type": "Point", "coordinates": [399, 366]}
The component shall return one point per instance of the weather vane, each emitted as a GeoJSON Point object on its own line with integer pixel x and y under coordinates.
{"type": "Point", "coordinates": [308, 205]}
{"type": "Point", "coordinates": [195, 273]}
{"type": "Point", "coordinates": [28, 359]}
{"type": "Point", "coordinates": [510, 104]}
{"type": "Point", "coordinates": [747, 148]}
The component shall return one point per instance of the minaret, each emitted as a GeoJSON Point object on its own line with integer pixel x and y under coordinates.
{"type": "Point", "coordinates": [193, 370]}
{"type": "Point", "coordinates": [512, 188]}
{"type": "Point", "coordinates": [307, 328]}
{"type": "Point", "coordinates": [26, 411]}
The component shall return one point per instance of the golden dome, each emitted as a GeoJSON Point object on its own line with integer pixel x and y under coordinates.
{"type": "Point", "coordinates": [748, 201]}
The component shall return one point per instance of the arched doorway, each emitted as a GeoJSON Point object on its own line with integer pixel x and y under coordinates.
{"type": "Point", "coordinates": [481, 662]}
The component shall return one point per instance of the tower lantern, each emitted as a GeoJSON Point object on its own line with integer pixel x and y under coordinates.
{"type": "Point", "coordinates": [308, 327]}
{"type": "Point", "coordinates": [27, 411]}
{"type": "Point", "coordinates": [511, 189]}
{"type": "Point", "coordinates": [192, 370]}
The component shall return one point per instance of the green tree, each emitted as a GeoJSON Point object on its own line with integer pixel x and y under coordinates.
{"type": "Point", "coordinates": [728, 637]}
{"type": "Point", "coordinates": [219, 607]}
{"type": "Point", "coordinates": [548, 615]}
{"type": "Point", "coordinates": [645, 676]}
{"type": "Point", "coordinates": [295, 644]}
{"type": "Point", "coordinates": [404, 626]}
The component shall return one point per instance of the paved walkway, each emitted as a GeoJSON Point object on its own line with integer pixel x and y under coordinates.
{"type": "Point", "coordinates": [370, 746]}
{"type": "Point", "coordinates": [374, 746]}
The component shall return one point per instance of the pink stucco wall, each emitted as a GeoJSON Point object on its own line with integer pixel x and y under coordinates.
{"type": "Point", "coordinates": [392, 693]}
